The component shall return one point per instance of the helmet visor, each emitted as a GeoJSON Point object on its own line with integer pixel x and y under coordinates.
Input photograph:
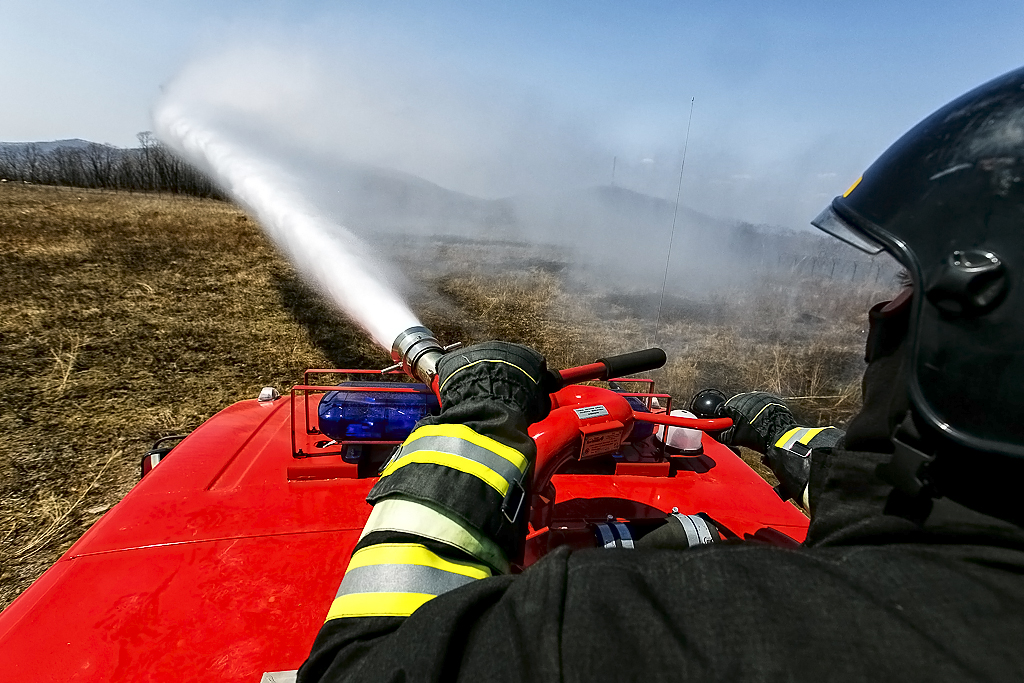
{"type": "Point", "coordinates": [835, 225]}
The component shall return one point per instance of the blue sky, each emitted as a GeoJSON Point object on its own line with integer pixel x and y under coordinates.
{"type": "Point", "coordinates": [793, 99]}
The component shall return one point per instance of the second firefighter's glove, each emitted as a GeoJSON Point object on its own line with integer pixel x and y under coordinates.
{"type": "Point", "coordinates": [759, 419]}
{"type": "Point", "coordinates": [513, 375]}
{"type": "Point", "coordinates": [762, 422]}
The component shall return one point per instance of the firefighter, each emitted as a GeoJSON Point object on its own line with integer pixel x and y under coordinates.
{"type": "Point", "coordinates": [913, 565]}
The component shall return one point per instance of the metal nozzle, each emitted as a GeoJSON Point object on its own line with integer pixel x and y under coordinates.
{"type": "Point", "coordinates": [418, 351]}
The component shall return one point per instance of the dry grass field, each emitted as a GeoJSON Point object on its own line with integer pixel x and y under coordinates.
{"type": "Point", "coordinates": [124, 318]}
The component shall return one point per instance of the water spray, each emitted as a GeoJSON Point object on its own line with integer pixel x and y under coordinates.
{"type": "Point", "coordinates": [323, 251]}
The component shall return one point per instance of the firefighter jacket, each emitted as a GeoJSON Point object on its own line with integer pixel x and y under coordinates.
{"type": "Point", "coordinates": [870, 596]}
{"type": "Point", "coordinates": [450, 505]}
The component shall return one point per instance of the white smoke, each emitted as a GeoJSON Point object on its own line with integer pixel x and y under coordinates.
{"type": "Point", "coordinates": [394, 149]}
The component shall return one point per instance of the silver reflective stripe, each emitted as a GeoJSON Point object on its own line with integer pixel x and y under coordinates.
{"type": "Point", "coordinates": [624, 535]}
{"type": "Point", "coordinates": [400, 578]}
{"type": "Point", "coordinates": [394, 456]}
{"type": "Point", "coordinates": [689, 528]}
{"type": "Point", "coordinates": [614, 535]}
{"type": "Point", "coordinates": [794, 438]}
{"type": "Point", "coordinates": [456, 446]}
{"type": "Point", "coordinates": [397, 513]}
{"type": "Point", "coordinates": [280, 676]}
{"type": "Point", "coordinates": [695, 528]}
{"type": "Point", "coordinates": [704, 529]}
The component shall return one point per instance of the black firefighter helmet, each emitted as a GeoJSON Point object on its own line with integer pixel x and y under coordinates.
{"type": "Point", "coordinates": [947, 201]}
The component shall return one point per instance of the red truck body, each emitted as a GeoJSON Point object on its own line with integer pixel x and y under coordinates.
{"type": "Point", "coordinates": [222, 562]}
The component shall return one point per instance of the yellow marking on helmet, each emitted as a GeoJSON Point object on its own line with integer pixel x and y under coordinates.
{"type": "Point", "coordinates": [853, 187]}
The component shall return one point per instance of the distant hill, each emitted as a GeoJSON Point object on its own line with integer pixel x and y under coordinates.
{"type": "Point", "coordinates": [370, 199]}
{"type": "Point", "coordinates": [615, 233]}
{"type": "Point", "coordinates": [81, 163]}
{"type": "Point", "coordinates": [612, 232]}
{"type": "Point", "coordinates": [614, 203]}
{"type": "Point", "coordinates": [609, 229]}
{"type": "Point", "coordinates": [49, 146]}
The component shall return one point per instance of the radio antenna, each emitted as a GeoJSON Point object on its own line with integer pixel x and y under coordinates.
{"type": "Point", "coordinates": [675, 215]}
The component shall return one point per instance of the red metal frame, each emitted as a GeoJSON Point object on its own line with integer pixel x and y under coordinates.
{"type": "Point", "coordinates": [649, 394]}
{"type": "Point", "coordinates": [712, 425]}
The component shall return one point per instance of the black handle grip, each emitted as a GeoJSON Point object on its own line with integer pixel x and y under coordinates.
{"type": "Point", "coordinates": [634, 362]}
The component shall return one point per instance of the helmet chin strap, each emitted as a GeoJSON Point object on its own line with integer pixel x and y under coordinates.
{"type": "Point", "coordinates": [887, 404]}
{"type": "Point", "coordinates": [907, 471]}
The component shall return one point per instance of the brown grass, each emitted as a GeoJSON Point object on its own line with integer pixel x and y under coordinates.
{"type": "Point", "coordinates": [803, 340]}
{"type": "Point", "coordinates": [124, 318]}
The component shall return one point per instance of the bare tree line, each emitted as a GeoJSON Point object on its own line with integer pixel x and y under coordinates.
{"type": "Point", "coordinates": [150, 167]}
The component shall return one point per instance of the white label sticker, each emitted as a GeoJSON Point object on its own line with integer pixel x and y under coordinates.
{"type": "Point", "coordinates": [591, 411]}
{"type": "Point", "coordinates": [601, 443]}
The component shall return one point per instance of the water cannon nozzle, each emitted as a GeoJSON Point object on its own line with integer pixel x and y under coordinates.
{"type": "Point", "coordinates": [418, 352]}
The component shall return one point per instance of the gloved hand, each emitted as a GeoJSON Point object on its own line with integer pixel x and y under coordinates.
{"type": "Point", "coordinates": [490, 393]}
{"type": "Point", "coordinates": [512, 374]}
{"type": "Point", "coordinates": [759, 419]}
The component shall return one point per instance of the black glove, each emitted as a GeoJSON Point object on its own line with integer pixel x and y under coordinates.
{"type": "Point", "coordinates": [759, 419]}
{"type": "Point", "coordinates": [511, 374]}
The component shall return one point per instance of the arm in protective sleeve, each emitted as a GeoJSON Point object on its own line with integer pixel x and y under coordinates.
{"type": "Point", "coordinates": [449, 507]}
{"type": "Point", "coordinates": [764, 423]}
{"type": "Point", "coordinates": [789, 456]}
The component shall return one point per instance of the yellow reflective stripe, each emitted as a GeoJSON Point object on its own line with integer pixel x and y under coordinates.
{"type": "Point", "coordinates": [466, 434]}
{"type": "Point", "coordinates": [413, 566]}
{"type": "Point", "coordinates": [811, 433]}
{"type": "Point", "coordinates": [401, 578]}
{"type": "Point", "coordinates": [396, 513]}
{"type": "Point", "coordinates": [456, 446]}
{"type": "Point", "coordinates": [377, 605]}
{"type": "Point", "coordinates": [477, 362]}
{"type": "Point", "coordinates": [413, 553]}
{"type": "Point", "coordinates": [455, 462]}
{"type": "Point", "coordinates": [802, 435]}
{"type": "Point", "coordinates": [784, 439]}
{"type": "Point", "coordinates": [764, 409]}
{"type": "Point", "coordinates": [853, 187]}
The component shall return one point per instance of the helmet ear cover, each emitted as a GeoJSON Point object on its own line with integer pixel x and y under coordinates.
{"type": "Point", "coordinates": [947, 201]}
